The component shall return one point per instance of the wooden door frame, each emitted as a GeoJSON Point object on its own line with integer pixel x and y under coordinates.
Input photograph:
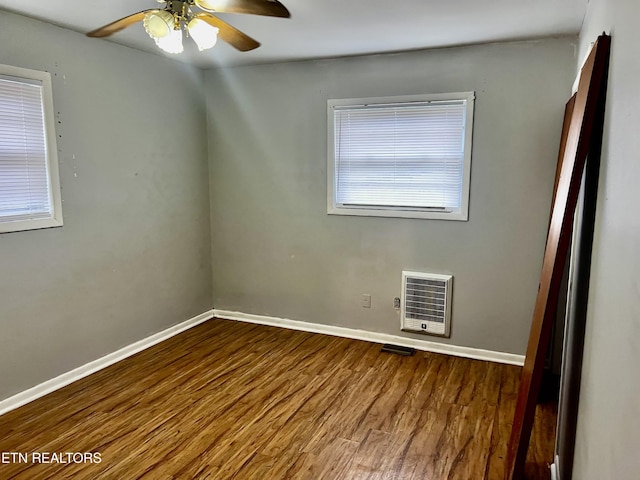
{"type": "Point", "coordinates": [577, 143]}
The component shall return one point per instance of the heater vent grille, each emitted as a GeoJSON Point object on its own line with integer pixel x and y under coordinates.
{"type": "Point", "coordinates": [427, 303]}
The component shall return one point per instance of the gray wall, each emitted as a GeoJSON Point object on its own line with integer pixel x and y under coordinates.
{"type": "Point", "coordinates": [277, 252]}
{"type": "Point", "coordinates": [608, 435]}
{"type": "Point", "coordinates": [133, 256]}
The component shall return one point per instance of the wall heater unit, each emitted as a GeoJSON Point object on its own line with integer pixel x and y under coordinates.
{"type": "Point", "coordinates": [426, 306]}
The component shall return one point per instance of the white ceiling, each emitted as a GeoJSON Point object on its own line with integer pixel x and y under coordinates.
{"type": "Point", "coordinates": [333, 28]}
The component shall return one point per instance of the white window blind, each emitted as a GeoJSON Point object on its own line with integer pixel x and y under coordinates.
{"type": "Point", "coordinates": [26, 196]}
{"type": "Point", "coordinates": [402, 155]}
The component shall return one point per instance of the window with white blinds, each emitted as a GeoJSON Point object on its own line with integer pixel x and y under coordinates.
{"type": "Point", "coordinates": [29, 186]}
{"type": "Point", "coordinates": [401, 156]}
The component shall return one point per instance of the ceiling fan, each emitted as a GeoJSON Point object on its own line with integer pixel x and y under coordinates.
{"type": "Point", "coordinates": [166, 25]}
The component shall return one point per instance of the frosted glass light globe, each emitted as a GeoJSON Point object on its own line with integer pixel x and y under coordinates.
{"type": "Point", "coordinates": [158, 24]}
{"type": "Point", "coordinates": [171, 43]}
{"type": "Point", "coordinates": [203, 34]}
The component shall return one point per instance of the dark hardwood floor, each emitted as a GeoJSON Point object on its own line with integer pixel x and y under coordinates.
{"type": "Point", "coordinates": [231, 400]}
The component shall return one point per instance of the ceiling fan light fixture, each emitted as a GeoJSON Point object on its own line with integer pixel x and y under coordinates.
{"type": "Point", "coordinates": [165, 25]}
{"type": "Point", "coordinates": [171, 43]}
{"type": "Point", "coordinates": [159, 24]}
{"type": "Point", "coordinates": [203, 34]}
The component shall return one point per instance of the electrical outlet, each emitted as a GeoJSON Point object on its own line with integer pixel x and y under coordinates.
{"type": "Point", "coordinates": [366, 300]}
{"type": "Point", "coordinates": [396, 303]}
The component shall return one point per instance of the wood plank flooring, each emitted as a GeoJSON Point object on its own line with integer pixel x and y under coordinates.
{"type": "Point", "coordinates": [231, 400]}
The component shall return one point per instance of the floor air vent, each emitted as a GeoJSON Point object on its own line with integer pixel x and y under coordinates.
{"type": "Point", "coordinates": [427, 303]}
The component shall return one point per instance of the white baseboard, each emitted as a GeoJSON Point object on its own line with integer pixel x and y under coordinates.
{"type": "Point", "coordinates": [65, 379]}
{"type": "Point", "coordinates": [424, 345]}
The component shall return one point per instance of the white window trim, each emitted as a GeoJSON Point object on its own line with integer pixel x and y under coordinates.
{"type": "Point", "coordinates": [461, 215]}
{"type": "Point", "coordinates": [52, 153]}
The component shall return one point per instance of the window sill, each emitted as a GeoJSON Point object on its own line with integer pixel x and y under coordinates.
{"type": "Point", "coordinates": [25, 225]}
{"type": "Point", "coordinates": [461, 216]}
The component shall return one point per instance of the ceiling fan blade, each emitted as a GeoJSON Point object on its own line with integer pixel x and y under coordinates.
{"type": "Point", "coordinates": [120, 24]}
{"type": "Point", "coordinates": [270, 8]}
{"type": "Point", "coordinates": [229, 34]}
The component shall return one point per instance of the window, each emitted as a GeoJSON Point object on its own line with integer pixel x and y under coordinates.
{"type": "Point", "coordinates": [406, 156]}
{"type": "Point", "coordinates": [29, 184]}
